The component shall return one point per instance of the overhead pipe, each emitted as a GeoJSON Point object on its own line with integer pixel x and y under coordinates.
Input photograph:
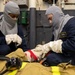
{"type": "Point", "coordinates": [32, 23]}
{"type": "Point", "coordinates": [63, 4]}
{"type": "Point", "coordinates": [53, 3]}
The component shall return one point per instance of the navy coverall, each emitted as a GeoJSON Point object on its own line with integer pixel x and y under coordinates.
{"type": "Point", "coordinates": [68, 45]}
{"type": "Point", "coordinates": [5, 49]}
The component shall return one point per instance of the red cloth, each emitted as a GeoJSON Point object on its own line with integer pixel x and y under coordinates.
{"type": "Point", "coordinates": [33, 55]}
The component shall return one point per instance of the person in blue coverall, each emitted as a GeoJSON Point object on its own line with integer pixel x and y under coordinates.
{"type": "Point", "coordinates": [62, 45]}
{"type": "Point", "coordinates": [11, 34]}
{"type": "Point", "coordinates": [63, 39]}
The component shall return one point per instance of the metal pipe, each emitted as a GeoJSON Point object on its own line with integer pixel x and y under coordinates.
{"type": "Point", "coordinates": [62, 4]}
{"type": "Point", "coordinates": [53, 2]}
{"type": "Point", "coordinates": [32, 6]}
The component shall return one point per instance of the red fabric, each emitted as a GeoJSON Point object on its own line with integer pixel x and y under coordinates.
{"type": "Point", "coordinates": [47, 54]}
{"type": "Point", "coordinates": [33, 55]}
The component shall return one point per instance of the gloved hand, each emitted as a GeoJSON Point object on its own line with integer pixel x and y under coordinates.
{"type": "Point", "coordinates": [13, 38]}
{"type": "Point", "coordinates": [17, 39]}
{"type": "Point", "coordinates": [45, 48]}
{"type": "Point", "coordinates": [56, 46]}
{"type": "Point", "coordinates": [8, 38]}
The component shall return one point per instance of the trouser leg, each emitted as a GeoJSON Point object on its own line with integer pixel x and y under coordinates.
{"type": "Point", "coordinates": [54, 59]}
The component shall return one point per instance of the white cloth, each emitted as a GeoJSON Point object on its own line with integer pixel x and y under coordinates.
{"type": "Point", "coordinates": [31, 58]}
{"type": "Point", "coordinates": [28, 55]}
{"type": "Point", "coordinates": [39, 51]}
